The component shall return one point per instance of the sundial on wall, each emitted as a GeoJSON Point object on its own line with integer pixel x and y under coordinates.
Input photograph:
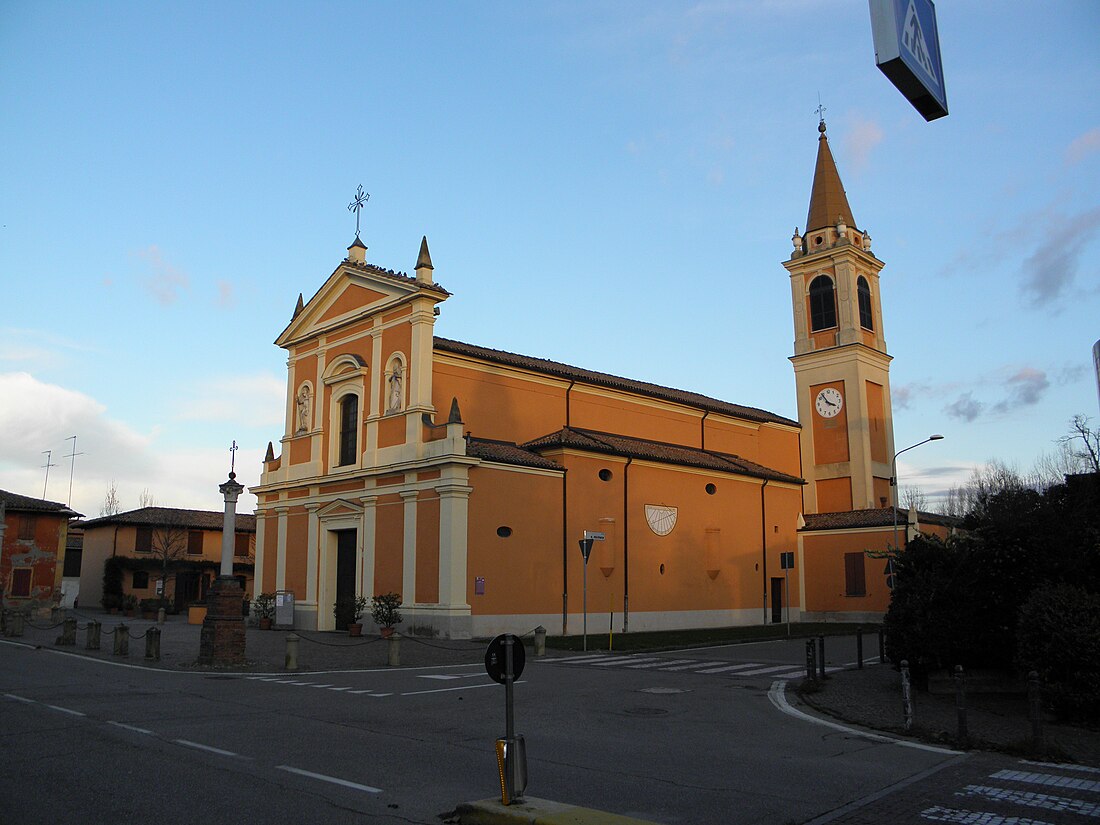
{"type": "Point", "coordinates": [661, 518]}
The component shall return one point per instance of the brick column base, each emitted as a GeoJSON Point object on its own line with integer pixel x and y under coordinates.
{"type": "Point", "coordinates": [221, 642]}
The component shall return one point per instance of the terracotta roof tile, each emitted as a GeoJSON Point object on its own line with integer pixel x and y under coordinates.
{"type": "Point", "coordinates": [507, 452]}
{"type": "Point", "coordinates": [186, 519]}
{"type": "Point", "coordinates": [878, 517]}
{"type": "Point", "coordinates": [602, 379]}
{"type": "Point", "coordinates": [621, 445]}
{"type": "Point", "coordinates": [396, 276]}
{"type": "Point", "coordinates": [16, 502]}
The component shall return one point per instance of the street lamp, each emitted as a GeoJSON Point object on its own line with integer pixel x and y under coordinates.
{"type": "Point", "coordinates": [894, 478]}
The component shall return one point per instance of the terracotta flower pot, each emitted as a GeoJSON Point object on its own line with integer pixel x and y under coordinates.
{"type": "Point", "coordinates": [355, 629]}
{"type": "Point", "coordinates": [387, 632]}
{"type": "Point", "coordinates": [265, 624]}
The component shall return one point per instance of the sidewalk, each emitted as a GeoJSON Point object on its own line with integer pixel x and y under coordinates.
{"type": "Point", "coordinates": [871, 698]}
{"type": "Point", "coordinates": [265, 650]}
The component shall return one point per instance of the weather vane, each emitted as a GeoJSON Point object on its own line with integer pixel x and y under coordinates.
{"type": "Point", "coordinates": [356, 205]}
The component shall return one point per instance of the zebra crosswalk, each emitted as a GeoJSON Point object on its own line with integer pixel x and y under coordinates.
{"type": "Point", "coordinates": [660, 663]}
{"type": "Point", "coordinates": [1042, 793]}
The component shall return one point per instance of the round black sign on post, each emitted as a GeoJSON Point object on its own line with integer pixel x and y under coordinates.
{"type": "Point", "coordinates": [494, 658]}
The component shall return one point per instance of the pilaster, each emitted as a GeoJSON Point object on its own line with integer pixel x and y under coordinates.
{"type": "Point", "coordinates": [408, 564]}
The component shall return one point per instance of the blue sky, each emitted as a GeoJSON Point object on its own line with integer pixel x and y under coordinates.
{"type": "Point", "coordinates": [606, 184]}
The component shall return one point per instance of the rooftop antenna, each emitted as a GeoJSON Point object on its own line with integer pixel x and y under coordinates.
{"type": "Point", "coordinates": [356, 206]}
{"type": "Point", "coordinates": [47, 465]}
{"type": "Point", "coordinates": [72, 468]}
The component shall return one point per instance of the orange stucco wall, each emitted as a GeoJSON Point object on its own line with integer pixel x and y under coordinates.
{"type": "Point", "coordinates": [523, 571]}
{"type": "Point", "coordinates": [43, 553]}
{"type": "Point", "coordinates": [876, 422]}
{"type": "Point", "coordinates": [352, 298]}
{"type": "Point", "coordinates": [297, 534]}
{"type": "Point", "coordinates": [830, 434]}
{"type": "Point", "coordinates": [496, 405]}
{"type": "Point", "coordinates": [427, 547]}
{"type": "Point", "coordinates": [389, 545]}
{"type": "Point", "coordinates": [834, 495]}
{"type": "Point", "coordinates": [825, 590]}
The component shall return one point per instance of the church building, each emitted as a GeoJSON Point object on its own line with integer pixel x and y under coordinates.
{"type": "Point", "coordinates": [462, 478]}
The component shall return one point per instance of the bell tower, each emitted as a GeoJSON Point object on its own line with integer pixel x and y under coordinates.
{"type": "Point", "coordinates": [841, 367]}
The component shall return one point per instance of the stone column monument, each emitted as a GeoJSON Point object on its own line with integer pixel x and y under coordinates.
{"type": "Point", "coordinates": [221, 643]}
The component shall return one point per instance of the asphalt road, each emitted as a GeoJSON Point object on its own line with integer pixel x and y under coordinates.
{"type": "Point", "coordinates": [101, 742]}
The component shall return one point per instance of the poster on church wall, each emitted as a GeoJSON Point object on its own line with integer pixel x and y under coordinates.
{"type": "Point", "coordinates": [907, 51]}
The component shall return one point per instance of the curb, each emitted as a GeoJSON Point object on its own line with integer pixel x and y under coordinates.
{"type": "Point", "coordinates": [533, 811]}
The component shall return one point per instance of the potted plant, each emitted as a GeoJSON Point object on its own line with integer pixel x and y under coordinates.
{"type": "Point", "coordinates": [350, 612]}
{"type": "Point", "coordinates": [384, 612]}
{"type": "Point", "coordinates": [129, 604]}
{"type": "Point", "coordinates": [264, 608]}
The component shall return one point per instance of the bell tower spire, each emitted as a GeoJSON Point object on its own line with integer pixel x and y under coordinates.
{"type": "Point", "coordinates": [842, 369]}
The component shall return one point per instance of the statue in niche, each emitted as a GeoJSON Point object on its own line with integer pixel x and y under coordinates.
{"type": "Point", "coordinates": [393, 404]}
{"type": "Point", "coordinates": [303, 403]}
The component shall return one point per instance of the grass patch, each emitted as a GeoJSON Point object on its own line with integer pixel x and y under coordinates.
{"type": "Point", "coordinates": [676, 639]}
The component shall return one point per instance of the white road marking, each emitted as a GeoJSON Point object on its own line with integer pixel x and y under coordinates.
{"type": "Point", "coordinates": [437, 676]}
{"type": "Point", "coordinates": [1032, 800]}
{"type": "Point", "coordinates": [590, 657]}
{"type": "Point", "coordinates": [660, 662]}
{"type": "Point", "coordinates": [777, 696]}
{"type": "Point", "coordinates": [1047, 779]}
{"type": "Point", "coordinates": [741, 666]}
{"type": "Point", "coordinates": [209, 748]}
{"type": "Point", "coordinates": [939, 814]}
{"type": "Point", "coordinates": [1061, 767]}
{"type": "Point", "coordinates": [694, 665]}
{"type": "Point", "coordinates": [447, 690]}
{"type": "Point", "coordinates": [769, 670]}
{"type": "Point", "coordinates": [341, 688]}
{"type": "Point", "coordinates": [322, 686]}
{"type": "Point", "coordinates": [21, 699]}
{"type": "Point", "coordinates": [131, 727]}
{"type": "Point", "coordinates": [66, 710]}
{"type": "Point", "coordinates": [334, 780]}
{"type": "Point", "coordinates": [621, 660]}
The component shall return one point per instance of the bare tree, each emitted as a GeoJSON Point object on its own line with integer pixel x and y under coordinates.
{"type": "Point", "coordinates": [169, 542]}
{"type": "Point", "coordinates": [1083, 443]}
{"type": "Point", "coordinates": [147, 499]}
{"type": "Point", "coordinates": [913, 497]}
{"type": "Point", "coordinates": [110, 505]}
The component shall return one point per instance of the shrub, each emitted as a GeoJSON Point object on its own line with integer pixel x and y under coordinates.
{"type": "Point", "coordinates": [112, 584]}
{"type": "Point", "coordinates": [1058, 636]}
{"type": "Point", "coordinates": [264, 606]}
{"type": "Point", "coordinates": [384, 609]}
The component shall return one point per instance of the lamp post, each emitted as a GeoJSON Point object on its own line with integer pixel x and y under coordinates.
{"type": "Point", "coordinates": [894, 479]}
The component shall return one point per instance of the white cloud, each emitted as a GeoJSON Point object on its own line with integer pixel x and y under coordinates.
{"type": "Point", "coordinates": [164, 281]}
{"type": "Point", "coordinates": [256, 399]}
{"type": "Point", "coordinates": [1083, 146]}
{"type": "Point", "coordinates": [860, 140]}
{"type": "Point", "coordinates": [36, 416]}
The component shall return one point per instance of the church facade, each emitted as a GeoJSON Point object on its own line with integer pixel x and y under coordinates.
{"type": "Point", "coordinates": [462, 477]}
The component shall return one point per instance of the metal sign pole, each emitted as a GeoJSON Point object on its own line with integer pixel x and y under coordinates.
{"type": "Point", "coordinates": [787, 592]}
{"type": "Point", "coordinates": [586, 604]}
{"type": "Point", "coordinates": [509, 717]}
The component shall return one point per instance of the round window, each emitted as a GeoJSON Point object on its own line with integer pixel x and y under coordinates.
{"type": "Point", "coordinates": [605, 475]}
{"type": "Point", "coordinates": [711, 489]}
{"type": "Point", "coordinates": [504, 532]}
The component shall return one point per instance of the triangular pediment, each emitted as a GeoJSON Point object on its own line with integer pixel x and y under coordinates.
{"type": "Point", "coordinates": [340, 507]}
{"type": "Point", "coordinates": [353, 292]}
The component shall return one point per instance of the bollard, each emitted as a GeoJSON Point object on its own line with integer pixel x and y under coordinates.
{"type": "Point", "coordinates": [1035, 711]}
{"type": "Point", "coordinates": [291, 662]}
{"type": "Point", "coordinates": [122, 640]}
{"type": "Point", "coordinates": [811, 661]}
{"type": "Point", "coordinates": [882, 645]}
{"type": "Point", "coordinates": [963, 737]}
{"type": "Point", "coordinates": [93, 635]}
{"type": "Point", "coordinates": [57, 615]}
{"type": "Point", "coordinates": [15, 624]}
{"type": "Point", "coordinates": [540, 641]}
{"type": "Point", "coordinates": [821, 656]}
{"type": "Point", "coordinates": [859, 647]}
{"type": "Point", "coordinates": [160, 616]}
{"type": "Point", "coordinates": [394, 659]}
{"type": "Point", "coordinates": [906, 695]}
{"type": "Point", "coordinates": [68, 633]}
{"type": "Point", "coordinates": [152, 644]}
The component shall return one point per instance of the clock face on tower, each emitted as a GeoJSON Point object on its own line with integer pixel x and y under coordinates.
{"type": "Point", "coordinates": [829, 402]}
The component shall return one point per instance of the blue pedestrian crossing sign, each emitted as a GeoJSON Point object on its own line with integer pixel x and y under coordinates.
{"type": "Point", "coordinates": [907, 51]}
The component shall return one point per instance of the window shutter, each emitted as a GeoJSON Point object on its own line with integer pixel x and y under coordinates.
{"type": "Point", "coordinates": [855, 583]}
